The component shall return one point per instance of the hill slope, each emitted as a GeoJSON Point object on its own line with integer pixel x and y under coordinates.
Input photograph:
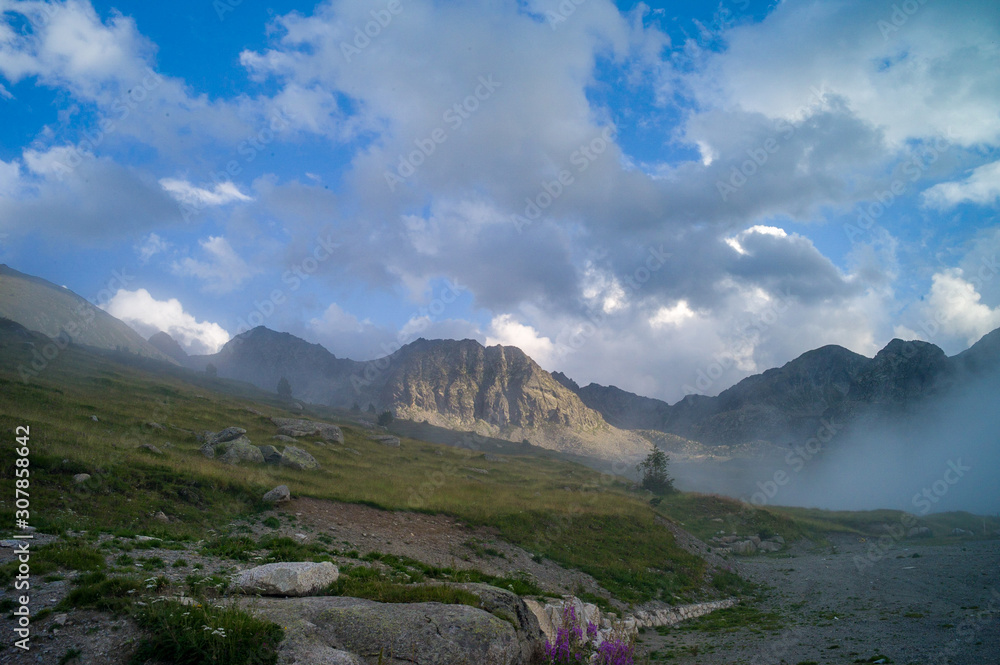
{"type": "Point", "coordinates": [56, 312]}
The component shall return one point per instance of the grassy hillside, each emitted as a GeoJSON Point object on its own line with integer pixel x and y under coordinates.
{"type": "Point", "coordinates": [553, 508]}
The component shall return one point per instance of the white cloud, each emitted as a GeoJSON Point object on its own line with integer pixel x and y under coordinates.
{"type": "Point", "coordinates": [150, 247]}
{"type": "Point", "coordinates": [224, 270]}
{"type": "Point", "coordinates": [10, 178]}
{"type": "Point", "coordinates": [199, 197]}
{"type": "Point", "coordinates": [982, 187]}
{"type": "Point", "coordinates": [147, 315]}
{"type": "Point", "coordinates": [736, 241]}
{"type": "Point", "coordinates": [672, 316]}
{"type": "Point", "coordinates": [955, 304]}
{"type": "Point", "coordinates": [507, 331]}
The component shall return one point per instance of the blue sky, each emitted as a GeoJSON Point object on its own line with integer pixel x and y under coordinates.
{"type": "Point", "coordinates": [661, 197]}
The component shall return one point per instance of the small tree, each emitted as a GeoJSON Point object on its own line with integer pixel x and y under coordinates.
{"type": "Point", "coordinates": [384, 419]}
{"type": "Point", "coordinates": [211, 371]}
{"type": "Point", "coordinates": [284, 388]}
{"type": "Point", "coordinates": [654, 473]}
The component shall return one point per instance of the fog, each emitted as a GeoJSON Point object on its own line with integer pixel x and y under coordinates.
{"type": "Point", "coordinates": [946, 457]}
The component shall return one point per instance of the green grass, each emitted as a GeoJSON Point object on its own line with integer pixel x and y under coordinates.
{"type": "Point", "coordinates": [64, 555]}
{"type": "Point", "coordinates": [745, 615]}
{"type": "Point", "coordinates": [364, 582]}
{"type": "Point", "coordinates": [197, 634]}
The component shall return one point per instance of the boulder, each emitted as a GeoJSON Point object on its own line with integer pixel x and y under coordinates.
{"type": "Point", "coordinates": [918, 532]}
{"type": "Point", "coordinates": [81, 478]}
{"type": "Point", "coordinates": [299, 427]}
{"type": "Point", "coordinates": [510, 607]}
{"type": "Point", "coordinates": [240, 450]}
{"type": "Point", "coordinates": [283, 438]}
{"type": "Point", "coordinates": [769, 546]}
{"type": "Point", "coordinates": [208, 450]}
{"type": "Point", "coordinates": [228, 434]}
{"type": "Point", "coordinates": [386, 440]}
{"type": "Point", "coordinates": [391, 633]}
{"type": "Point", "coordinates": [296, 458]}
{"type": "Point", "coordinates": [744, 547]}
{"type": "Point", "coordinates": [279, 494]}
{"type": "Point", "coordinates": [151, 448]}
{"type": "Point", "coordinates": [303, 578]}
{"type": "Point", "coordinates": [271, 454]}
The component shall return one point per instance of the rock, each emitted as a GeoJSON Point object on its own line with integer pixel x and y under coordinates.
{"type": "Point", "coordinates": [960, 532]}
{"type": "Point", "coordinates": [777, 539]}
{"type": "Point", "coordinates": [81, 478]}
{"type": "Point", "coordinates": [271, 454]}
{"type": "Point", "coordinates": [299, 427]}
{"type": "Point", "coordinates": [297, 458]}
{"type": "Point", "coordinates": [240, 450]}
{"type": "Point", "coordinates": [508, 606]}
{"type": "Point", "coordinates": [279, 494]}
{"type": "Point", "coordinates": [393, 633]}
{"type": "Point", "coordinates": [160, 516]}
{"type": "Point", "coordinates": [153, 425]}
{"type": "Point", "coordinates": [769, 546]}
{"type": "Point", "coordinates": [490, 457]}
{"type": "Point", "coordinates": [283, 438]}
{"type": "Point", "coordinates": [288, 578]}
{"type": "Point", "coordinates": [228, 434]}
{"type": "Point", "coordinates": [919, 532]}
{"type": "Point", "coordinates": [151, 448]}
{"type": "Point", "coordinates": [318, 654]}
{"type": "Point", "coordinates": [386, 440]}
{"type": "Point", "coordinates": [208, 450]}
{"type": "Point", "coordinates": [745, 547]}
{"type": "Point", "coordinates": [476, 470]}
{"type": "Point", "coordinates": [145, 539]}
{"type": "Point", "coordinates": [94, 418]}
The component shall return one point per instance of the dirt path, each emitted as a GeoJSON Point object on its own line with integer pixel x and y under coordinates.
{"type": "Point", "coordinates": [914, 604]}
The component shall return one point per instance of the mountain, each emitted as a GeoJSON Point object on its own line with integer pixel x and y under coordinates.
{"type": "Point", "coordinates": [168, 346]}
{"type": "Point", "coordinates": [496, 391]}
{"type": "Point", "coordinates": [59, 313]}
{"type": "Point", "coordinates": [790, 403]}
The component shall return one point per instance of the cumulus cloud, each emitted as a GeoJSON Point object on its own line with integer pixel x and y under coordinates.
{"type": "Point", "coordinates": [148, 316]}
{"type": "Point", "coordinates": [223, 270]}
{"type": "Point", "coordinates": [953, 308]}
{"type": "Point", "coordinates": [150, 247]}
{"type": "Point", "coordinates": [982, 187]}
{"type": "Point", "coordinates": [508, 331]}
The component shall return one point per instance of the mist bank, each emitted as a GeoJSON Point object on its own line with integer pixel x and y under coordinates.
{"type": "Point", "coordinates": [942, 456]}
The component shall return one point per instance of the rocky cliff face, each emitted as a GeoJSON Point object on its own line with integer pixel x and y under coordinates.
{"type": "Point", "coordinates": [497, 391]}
{"type": "Point", "coordinates": [168, 346]}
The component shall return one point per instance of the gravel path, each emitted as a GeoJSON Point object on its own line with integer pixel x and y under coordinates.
{"type": "Point", "coordinates": [915, 603]}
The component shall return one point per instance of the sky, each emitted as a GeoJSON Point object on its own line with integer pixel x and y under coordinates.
{"type": "Point", "coordinates": [662, 197]}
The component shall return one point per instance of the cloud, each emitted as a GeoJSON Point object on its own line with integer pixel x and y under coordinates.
{"type": "Point", "coordinates": [148, 316]}
{"type": "Point", "coordinates": [222, 272]}
{"type": "Point", "coordinates": [150, 247]}
{"type": "Point", "coordinates": [506, 330]}
{"type": "Point", "coordinates": [982, 187]}
{"type": "Point", "coordinates": [10, 177]}
{"type": "Point", "coordinates": [954, 309]}
{"type": "Point", "coordinates": [199, 197]}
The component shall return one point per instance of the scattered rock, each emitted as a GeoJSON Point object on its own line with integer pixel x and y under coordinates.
{"type": "Point", "coordinates": [81, 478]}
{"type": "Point", "coordinates": [299, 427]}
{"type": "Point", "coordinates": [240, 450]}
{"type": "Point", "coordinates": [386, 440]}
{"type": "Point", "coordinates": [94, 418]}
{"type": "Point", "coordinates": [297, 458]}
{"type": "Point", "coordinates": [271, 454]}
{"type": "Point", "coordinates": [228, 434]}
{"type": "Point", "coordinates": [394, 634]}
{"type": "Point", "coordinates": [279, 494]}
{"type": "Point", "coordinates": [161, 517]}
{"type": "Point", "coordinates": [303, 578]}
{"type": "Point", "coordinates": [151, 448]}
